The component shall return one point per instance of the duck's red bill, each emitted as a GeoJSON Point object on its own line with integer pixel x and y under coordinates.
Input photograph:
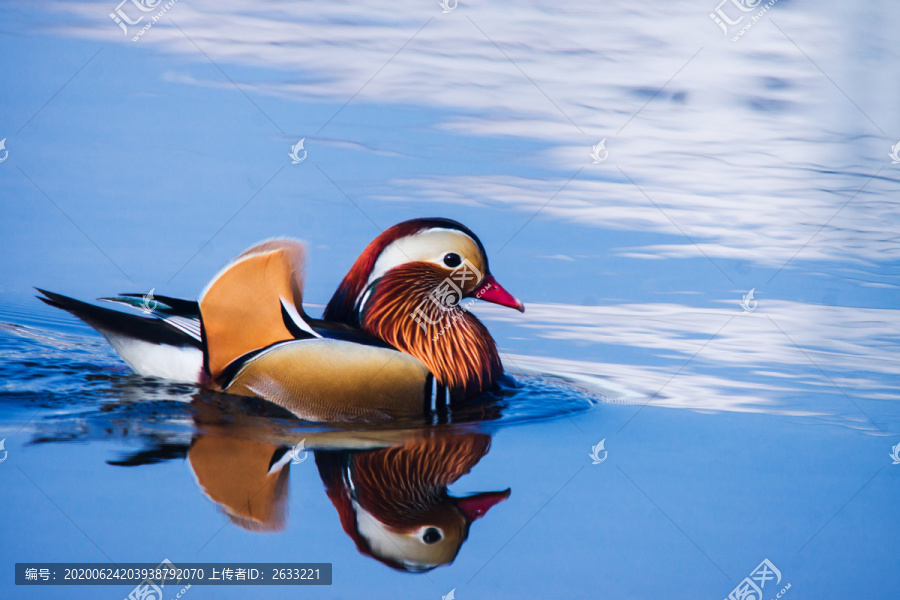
{"type": "Point", "coordinates": [491, 291]}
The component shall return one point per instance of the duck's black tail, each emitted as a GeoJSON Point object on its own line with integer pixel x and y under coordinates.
{"type": "Point", "coordinates": [167, 344]}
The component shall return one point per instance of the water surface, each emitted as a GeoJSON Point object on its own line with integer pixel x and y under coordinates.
{"type": "Point", "coordinates": [734, 433]}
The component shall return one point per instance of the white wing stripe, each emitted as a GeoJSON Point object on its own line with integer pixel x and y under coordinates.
{"type": "Point", "coordinates": [299, 321]}
{"type": "Point", "coordinates": [188, 326]}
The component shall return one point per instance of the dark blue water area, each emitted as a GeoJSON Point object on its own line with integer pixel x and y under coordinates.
{"type": "Point", "coordinates": [743, 488]}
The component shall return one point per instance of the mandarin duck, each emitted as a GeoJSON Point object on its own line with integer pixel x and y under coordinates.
{"type": "Point", "coordinates": [395, 339]}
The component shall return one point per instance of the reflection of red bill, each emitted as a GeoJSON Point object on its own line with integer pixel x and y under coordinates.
{"type": "Point", "coordinates": [475, 507]}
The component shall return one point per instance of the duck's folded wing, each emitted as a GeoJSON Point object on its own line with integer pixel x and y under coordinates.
{"type": "Point", "coordinates": [180, 313]}
{"type": "Point", "coordinates": [254, 302]}
{"type": "Point", "coordinates": [164, 305]}
{"type": "Point", "coordinates": [332, 380]}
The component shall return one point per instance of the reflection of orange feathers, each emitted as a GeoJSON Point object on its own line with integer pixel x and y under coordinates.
{"type": "Point", "coordinates": [463, 356]}
{"type": "Point", "coordinates": [234, 473]}
{"type": "Point", "coordinates": [241, 307]}
{"type": "Point", "coordinates": [399, 484]}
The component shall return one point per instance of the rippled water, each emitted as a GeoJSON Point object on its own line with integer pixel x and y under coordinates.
{"type": "Point", "coordinates": [734, 433]}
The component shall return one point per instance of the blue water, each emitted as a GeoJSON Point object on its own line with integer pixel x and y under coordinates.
{"type": "Point", "coordinates": [732, 433]}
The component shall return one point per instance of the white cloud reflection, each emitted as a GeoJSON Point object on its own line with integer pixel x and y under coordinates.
{"type": "Point", "coordinates": [768, 229]}
{"type": "Point", "coordinates": [751, 365]}
{"type": "Point", "coordinates": [749, 150]}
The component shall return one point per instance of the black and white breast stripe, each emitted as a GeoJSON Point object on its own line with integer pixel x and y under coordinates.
{"type": "Point", "coordinates": [437, 396]}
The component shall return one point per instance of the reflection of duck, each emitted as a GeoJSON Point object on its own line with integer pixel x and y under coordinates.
{"type": "Point", "coordinates": [376, 354]}
{"type": "Point", "coordinates": [394, 502]}
{"type": "Point", "coordinates": [389, 488]}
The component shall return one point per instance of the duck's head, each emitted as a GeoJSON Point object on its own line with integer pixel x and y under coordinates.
{"type": "Point", "coordinates": [410, 288]}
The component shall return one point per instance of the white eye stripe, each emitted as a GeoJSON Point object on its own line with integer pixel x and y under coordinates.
{"type": "Point", "coordinates": [430, 245]}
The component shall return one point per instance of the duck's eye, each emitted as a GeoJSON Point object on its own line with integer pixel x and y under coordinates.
{"type": "Point", "coordinates": [432, 535]}
{"type": "Point", "coordinates": [452, 260]}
